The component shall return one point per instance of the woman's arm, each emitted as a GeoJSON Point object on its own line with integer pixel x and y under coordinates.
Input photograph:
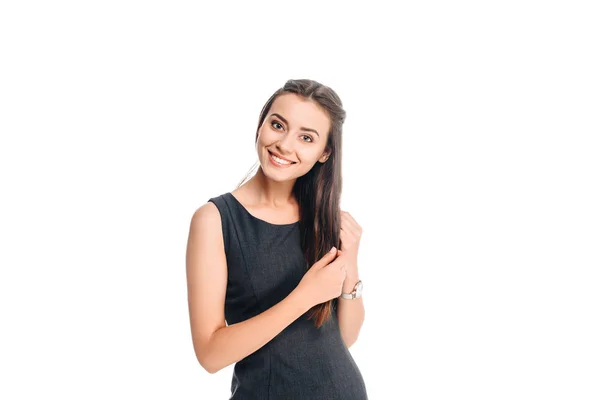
{"type": "Point", "coordinates": [234, 342]}
{"type": "Point", "coordinates": [350, 312]}
{"type": "Point", "coordinates": [217, 345]}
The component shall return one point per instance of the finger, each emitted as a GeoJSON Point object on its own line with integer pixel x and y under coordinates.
{"type": "Point", "coordinates": [351, 223]}
{"type": "Point", "coordinates": [337, 263]}
{"type": "Point", "coordinates": [326, 259]}
{"type": "Point", "coordinates": [350, 219]}
{"type": "Point", "coordinates": [343, 234]}
{"type": "Point", "coordinates": [351, 228]}
{"type": "Point", "coordinates": [346, 238]}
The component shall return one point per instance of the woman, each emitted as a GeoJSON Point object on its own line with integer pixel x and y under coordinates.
{"type": "Point", "coordinates": [263, 286]}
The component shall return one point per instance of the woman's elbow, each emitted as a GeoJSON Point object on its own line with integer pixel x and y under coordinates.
{"type": "Point", "coordinates": [207, 365]}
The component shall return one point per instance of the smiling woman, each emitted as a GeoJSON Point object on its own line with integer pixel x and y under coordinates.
{"type": "Point", "coordinates": [284, 139]}
{"type": "Point", "coordinates": [263, 285]}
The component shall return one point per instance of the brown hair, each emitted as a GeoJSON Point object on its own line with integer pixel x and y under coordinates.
{"type": "Point", "coordinates": [318, 191]}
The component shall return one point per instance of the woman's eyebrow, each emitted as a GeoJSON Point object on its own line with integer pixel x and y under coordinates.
{"type": "Point", "coordinates": [301, 128]}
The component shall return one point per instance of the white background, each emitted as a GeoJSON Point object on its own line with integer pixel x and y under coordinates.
{"type": "Point", "coordinates": [471, 160]}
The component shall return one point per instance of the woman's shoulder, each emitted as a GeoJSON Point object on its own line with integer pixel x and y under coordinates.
{"type": "Point", "coordinates": [207, 216]}
{"type": "Point", "coordinates": [211, 211]}
{"type": "Point", "coordinates": [212, 217]}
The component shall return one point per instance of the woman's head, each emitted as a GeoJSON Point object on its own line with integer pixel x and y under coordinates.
{"type": "Point", "coordinates": [302, 122]}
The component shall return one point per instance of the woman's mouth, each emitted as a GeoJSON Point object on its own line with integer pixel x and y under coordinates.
{"type": "Point", "coordinates": [278, 162]}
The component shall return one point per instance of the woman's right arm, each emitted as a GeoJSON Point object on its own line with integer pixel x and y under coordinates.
{"type": "Point", "coordinates": [217, 345]}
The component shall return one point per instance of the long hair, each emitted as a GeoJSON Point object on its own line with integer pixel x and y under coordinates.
{"type": "Point", "coordinates": [318, 191]}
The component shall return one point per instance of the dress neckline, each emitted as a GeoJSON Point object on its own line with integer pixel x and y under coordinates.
{"type": "Point", "coordinates": [256, 218]}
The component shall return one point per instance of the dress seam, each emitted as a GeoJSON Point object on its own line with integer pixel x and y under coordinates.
{"type": "Point", "coordinates": [269, 381]}
{"type": "Point", "coordinates": [242, 252]}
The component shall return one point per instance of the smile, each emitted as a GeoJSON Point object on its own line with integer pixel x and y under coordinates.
{"type": "Point", "coordinates": [279, 161]}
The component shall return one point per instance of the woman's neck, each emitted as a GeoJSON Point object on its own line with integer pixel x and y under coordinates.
{"type": "Point", "coordinates": [271, 193]}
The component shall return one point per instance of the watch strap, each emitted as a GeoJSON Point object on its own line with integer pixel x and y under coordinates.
{"type": "Point", "coordinates": [352, 295]}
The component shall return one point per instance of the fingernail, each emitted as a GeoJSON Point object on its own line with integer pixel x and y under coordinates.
{"type": "Point", "coordinates": [332, 249]}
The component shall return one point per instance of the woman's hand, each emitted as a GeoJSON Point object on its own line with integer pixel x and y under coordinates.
{"type": "Point", "coordinates": [350, 237]}
{"type": "Point", "coordinates": [324, 280]}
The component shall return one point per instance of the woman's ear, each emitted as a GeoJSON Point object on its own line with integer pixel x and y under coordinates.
{"type": "Point", "coordinates": [325, 156]}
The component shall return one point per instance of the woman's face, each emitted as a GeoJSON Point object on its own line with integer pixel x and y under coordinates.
{"type": "Point", "coordinates": [295, 129]}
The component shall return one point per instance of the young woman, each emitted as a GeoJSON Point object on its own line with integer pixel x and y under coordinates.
{"type": "Point", "coordinates": [264, 290]}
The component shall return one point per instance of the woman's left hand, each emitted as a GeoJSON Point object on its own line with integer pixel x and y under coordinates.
{"type": "Point", "coordinates": [350, 237]}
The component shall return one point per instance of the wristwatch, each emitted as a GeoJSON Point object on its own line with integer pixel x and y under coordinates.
{"type": "Point", "coordinates": [356, 292]}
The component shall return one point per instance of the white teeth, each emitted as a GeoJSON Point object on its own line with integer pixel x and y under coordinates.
{"type": "Point", "coordinates": [279, 160]}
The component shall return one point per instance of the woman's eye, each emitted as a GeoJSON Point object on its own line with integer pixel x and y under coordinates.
{"type": "Point", "coordinates": [278, 126]}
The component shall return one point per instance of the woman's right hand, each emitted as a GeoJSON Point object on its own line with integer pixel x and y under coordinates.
{"type": "Point", "coordinates": [324, 280]}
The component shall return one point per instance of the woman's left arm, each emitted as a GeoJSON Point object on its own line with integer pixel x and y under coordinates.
{"type": "Point", "coordinates": [350, 312]}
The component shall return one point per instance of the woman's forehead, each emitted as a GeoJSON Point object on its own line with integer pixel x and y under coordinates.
{"type": "Point", "coordinates": [299, 111]}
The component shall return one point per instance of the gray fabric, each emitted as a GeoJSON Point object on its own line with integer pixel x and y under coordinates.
{"type": "Point", "coordinates": [265, 263]}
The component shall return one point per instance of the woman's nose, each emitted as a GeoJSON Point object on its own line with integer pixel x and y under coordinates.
{"type": "Point", "coordinates": [285, 144]}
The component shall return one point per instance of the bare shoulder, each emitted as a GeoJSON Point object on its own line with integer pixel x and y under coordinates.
{"type": "Point", "coordinates": [205, 240]}
{"type": "Point", "coordinates": [206, 215]}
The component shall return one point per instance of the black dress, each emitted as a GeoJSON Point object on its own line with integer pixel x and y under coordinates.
{"type": "Point", "coordinates": [265, 264]}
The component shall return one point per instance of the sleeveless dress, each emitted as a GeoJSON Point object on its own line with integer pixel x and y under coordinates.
{"type": "Point", "coordinates": [265, 263]}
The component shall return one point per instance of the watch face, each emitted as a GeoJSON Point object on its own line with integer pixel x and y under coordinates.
{"type": "Point", "coordinates": [359, 288]}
